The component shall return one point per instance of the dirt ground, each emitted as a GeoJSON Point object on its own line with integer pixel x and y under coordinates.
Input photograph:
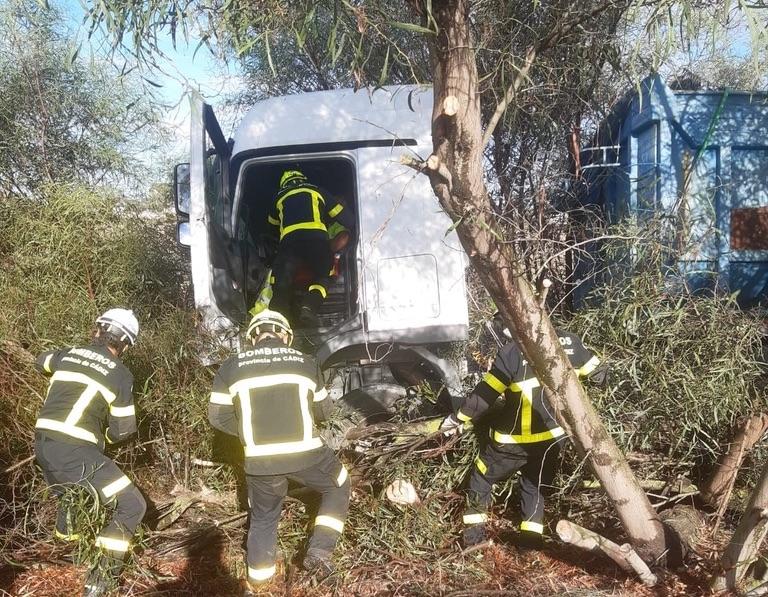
{"type": "Point", "coordinates": [556, 570]}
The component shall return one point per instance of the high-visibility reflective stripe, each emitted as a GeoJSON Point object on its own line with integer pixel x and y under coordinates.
{"type": "Point", "coordinates": [82, 403]}
{"type": "Point", "coordinates": [526, 413]}
{"type": "Point", "coordinates": [221, 398]}
{"type": "Point", "coordinates": [246, 421]}
{"type": "Point", "coordinates": [330, 522]}
{"type": "Point", "coordinates": [527, 385]}
{"type": "Point", "coordinates": [336, 210]}
{"type": "Point", "coordinates": [343, 475]}
{"type": "Point", "coordinates": [320, 396]}
{"type": "Point", "coordinates": [534, 527]}
{"type": "Point", "coordinates": [481, 465]}
{"type": "Point", "coordinates": [315, 224]}
{"type": "Point", "coordinates": [273, 221]}
{"type": "Point", "coordinates": [47, 363]}
{"type": "Point", "coordinates": [462, 417]}
{"type": "Point", "coordinates": [263, 381]}
{"type": "Point", "coordinates": [507, 438]}
{"type": "Point", "coordinates": [316, 207]}
{"type": "Point", "coordinates": [72, 376]}
{"type": "Point", "coordinates": [262, 574]}
{"type": "Point", "coordinates": [588, 367]}
{"type": "Point", "coordinates": [283, 448]}
{"type": "Point", "coordinates": [116, 486]}
{"type": "Point", "coordinates": [112, 544]}
{"type": "Point", "coordinates": [65, 537]}
{"type": "Point", "coordinates": [302, 226]}
{"type": "Point", "coordinates": [494, 382]}
{"type": "Point", "coordinates": [304, 385]}
{"type": "Point", "coordinates": [77, 432]}
{"type": "Point", "coordinates": [525, 388]}
{"type": "Point", "coordinates": [122, 411]}
{"type": "Point", "coordinates": [477, 518]}
{"type": "Point", "coordinates": [320, 288]}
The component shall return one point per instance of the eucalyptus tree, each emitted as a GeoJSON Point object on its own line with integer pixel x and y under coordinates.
{"type": "Point", "coordinates": [63, 115]}
{"type": "Point", "coordinates": [501, 72]}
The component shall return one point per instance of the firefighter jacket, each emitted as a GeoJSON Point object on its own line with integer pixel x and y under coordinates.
{"type": "Point", "coordinates": [89, 398]}
{"type": "Point", "coordinates": [304, 207]}
{"type": "Point", "coordinates": [526, 417]}
{"type": "Point", "coordinates": [270, 396]}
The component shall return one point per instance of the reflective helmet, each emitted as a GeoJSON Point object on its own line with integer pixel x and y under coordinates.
{"type": "Point", "coordinates": [291, 177]}
{"type": "Point", "coordinates": [122, 323]}
{"type": "Point", "coordinates": [269, 321]}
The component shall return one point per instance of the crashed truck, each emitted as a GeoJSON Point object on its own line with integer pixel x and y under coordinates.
{"type": "Point", "coordinates": [398, 304]}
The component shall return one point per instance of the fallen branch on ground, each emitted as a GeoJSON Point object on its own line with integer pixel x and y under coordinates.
{"type": "Point", "coordinates": [623, 555]}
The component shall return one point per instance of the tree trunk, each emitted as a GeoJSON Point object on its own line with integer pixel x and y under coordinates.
{"type": "Point", "coordinates": [749, 535]}
{"type": "Point", "coordinates": [716, 489]}
{"type": "Point", "coordinates": [456, 174]}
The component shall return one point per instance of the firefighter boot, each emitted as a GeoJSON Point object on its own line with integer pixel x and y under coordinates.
{"type": "Point", "coordinates": [474, 535]}
{"type": "Point", "coordinates": [529, 540]}
{"type": "Point", "coordinates": [318, 563]}
{"type": "Point", "coordinates": [103, 576]}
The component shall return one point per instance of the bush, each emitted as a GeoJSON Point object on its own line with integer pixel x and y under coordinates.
{"type": "Point", "coordinates": [684, 367]}
{"type": "Point", "coordinates": [66, 258]}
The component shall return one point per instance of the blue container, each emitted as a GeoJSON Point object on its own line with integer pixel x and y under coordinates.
{"type": "Point", "coordinates": [701, 156]}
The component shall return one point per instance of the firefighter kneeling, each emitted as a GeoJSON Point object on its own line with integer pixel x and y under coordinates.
{"type": "Point", "coordinates": [267, 396]}
{"type": "Point", "coordinates": [89, 387]}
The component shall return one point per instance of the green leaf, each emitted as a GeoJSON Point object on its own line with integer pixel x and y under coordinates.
{"type": "Point", "coordinates": [153, 83]}
{"type": "Point", "coordinates": [268, 49]}
{"type": "Point", "coordinates": [73, 53]}
{"type": "Point", "coordinates": [384, 69]}
{"type": "Point", "coordinates": [453, 226]}
{"type": "Point", "coordinates": [411, 27]}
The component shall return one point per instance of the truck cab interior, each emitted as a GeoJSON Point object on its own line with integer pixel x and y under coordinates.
{"type": "Point", "coordinates": [254, 194]}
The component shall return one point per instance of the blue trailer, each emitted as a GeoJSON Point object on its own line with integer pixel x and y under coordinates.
{"type": "Point", "coordinates": [701, 156]}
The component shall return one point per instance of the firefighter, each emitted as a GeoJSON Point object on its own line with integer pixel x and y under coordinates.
{"type": "Point", "coordinates": [90, 402]}
{"type": "Point", "coordinates": [270, 396]}
{"type": "Point", "coordinates": [301, 216]}
{"type": "Point", "coordinates": [524, 436]}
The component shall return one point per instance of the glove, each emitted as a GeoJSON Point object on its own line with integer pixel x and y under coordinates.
{"type": "Point", "coordinates": [451, 426]}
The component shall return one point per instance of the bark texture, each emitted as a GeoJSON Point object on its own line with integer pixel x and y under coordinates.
{"type": "Point", "coordinates": [456, 174]}
{"type": "Point", "coordinates": [717, 488]}
{"type": "Point", "coordinates": [749, 535]}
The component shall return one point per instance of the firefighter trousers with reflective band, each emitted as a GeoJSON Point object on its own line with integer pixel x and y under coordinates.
{"type": "Point", "coordinates": [537, 463]}
{"type": "Point", "coordinates": [65, 465]}
{"type": "Point", "coordinates": [300, 254]}
{"type": "Point", "coordinates": [265, 498]}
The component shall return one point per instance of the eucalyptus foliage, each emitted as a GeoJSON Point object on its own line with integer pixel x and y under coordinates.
{"type": "Point", "coordinates": [684, 366]}
{"type": "Point", "coordinates": [66, 115]}
{"type": "Point", "coordinates": [67, 255]}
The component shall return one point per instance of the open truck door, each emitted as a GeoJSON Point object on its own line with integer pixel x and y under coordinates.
{"type": "Point", "coordinates": [214, 254]}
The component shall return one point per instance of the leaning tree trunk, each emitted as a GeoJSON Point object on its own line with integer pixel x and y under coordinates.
{"type": "Point", "coordinates": [456, 175]}
{"type": "Point", "coordinates": [716, 489]}
{"type": "Point", "coordinates": [749, 535]}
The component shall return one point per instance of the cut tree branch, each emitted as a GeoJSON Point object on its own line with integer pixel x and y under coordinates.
{"type": "Point", "coordinates": [623, 555]}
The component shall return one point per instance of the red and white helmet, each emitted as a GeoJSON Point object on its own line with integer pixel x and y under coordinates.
{"type": "Point", "coordinates": [120, 322]}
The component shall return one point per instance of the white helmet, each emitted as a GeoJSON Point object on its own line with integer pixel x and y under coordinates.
{"type": "Point", "coordinates": [122, 323]}
{"type": "Point", "coordinates": [269, 321]}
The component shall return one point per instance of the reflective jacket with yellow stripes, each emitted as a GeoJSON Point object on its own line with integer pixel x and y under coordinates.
{"type": "Point", "coordinates": [526, 417]}
{"type": "Point", "coordinates": [89, 397]}
{"type": "Point", "coordinates": [305, 208]}
{"type": "Point", "coordinates": [270, 396]}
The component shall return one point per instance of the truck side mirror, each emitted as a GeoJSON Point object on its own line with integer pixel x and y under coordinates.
{"type": "Point", "coordinates": [184, 233]}
{"type": "Point", "coordinates": [181, 188]}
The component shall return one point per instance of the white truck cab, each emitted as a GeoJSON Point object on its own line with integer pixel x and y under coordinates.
{"type": "Point", "coordinates": [400, 294]}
